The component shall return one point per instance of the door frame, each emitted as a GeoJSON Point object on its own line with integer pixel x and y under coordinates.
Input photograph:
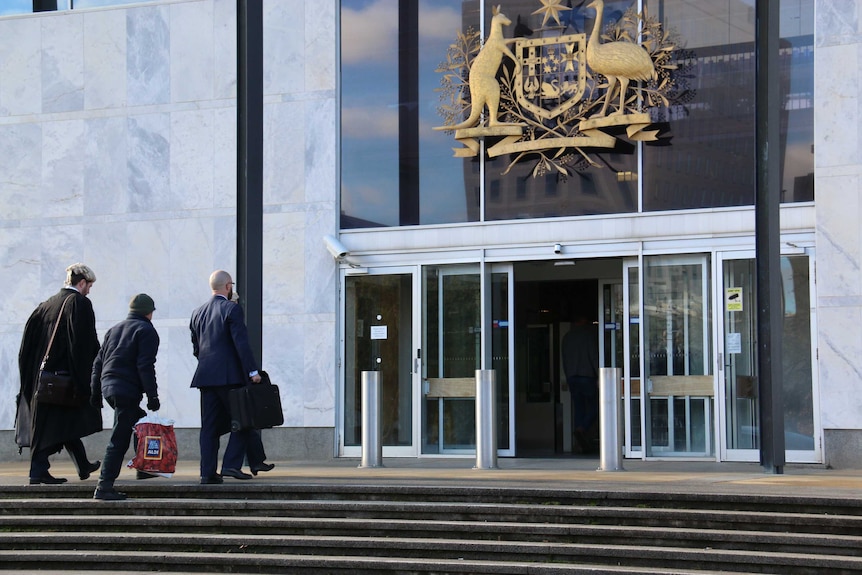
{"type": "Point", "coordinates": [702, 259]}
{"type": "Point", "coordinates": [753, 455]}
{"type": "Point", "coordinates": [485, 270]}
{"type": "Point", "coordinates": [388, 450]}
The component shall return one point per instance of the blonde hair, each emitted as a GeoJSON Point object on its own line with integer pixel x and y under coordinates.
{"type": "Point", "coordinates": [77, 272]}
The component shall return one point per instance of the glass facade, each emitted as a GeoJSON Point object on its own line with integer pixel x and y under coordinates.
{"type": "Point", "coordinates": [397, 170]}
{"type": "Point", "coordinates": [8, 7]}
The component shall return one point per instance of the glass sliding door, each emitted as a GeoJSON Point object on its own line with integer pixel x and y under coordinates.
{"type": "Point", "coordinates": [451, 354]}
{"type": "Point", "coordinates": [740, 409]}
{"type": "Point", "coordinates": [632, 404]}
{"type": "Point", "coordinates": [679, 388]}
{"type": "Point", "coordinates": [379, 336]}
{"type": "Point", "coordinates": [741, 418]}
{"type": "Point", "coordinates": [451, 350]}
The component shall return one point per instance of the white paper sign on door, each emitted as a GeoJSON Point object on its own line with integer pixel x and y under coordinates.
{"type": "Point", "coordinates": [734, 343]}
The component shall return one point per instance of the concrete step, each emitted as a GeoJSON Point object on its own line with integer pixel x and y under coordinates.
{"type": "Point", "coordinates": [413, 529]}
{"type": "Point", "coordinates": [594, 534]}
{"type": "Point", "coordinates": [247, 564]}
{"type": "Point", "coordinates": [825, 521]}
{"type": "Point", "coordinates": [212, 548]}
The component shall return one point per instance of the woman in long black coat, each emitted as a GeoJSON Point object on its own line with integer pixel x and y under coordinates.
{"type": "Point", "coordinates": [53, 427]}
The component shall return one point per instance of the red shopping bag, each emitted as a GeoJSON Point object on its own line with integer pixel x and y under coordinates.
{"type": "Point", "coordinates": [157, 446]}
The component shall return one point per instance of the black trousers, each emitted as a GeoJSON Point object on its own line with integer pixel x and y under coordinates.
{"type": "Point", "coordinates": [127, 412]}
{"type": "Point", "coordinates": [39, 463]}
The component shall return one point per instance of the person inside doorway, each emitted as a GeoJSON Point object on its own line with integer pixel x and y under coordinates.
{"type": "Point", "coordinates": [580, 351]}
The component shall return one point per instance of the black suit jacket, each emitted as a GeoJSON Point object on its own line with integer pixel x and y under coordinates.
{"type": "Point", "coordinates": [220, 342]}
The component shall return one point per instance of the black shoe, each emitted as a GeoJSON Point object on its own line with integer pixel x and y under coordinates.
{"type": "Point", "coordinates": [108, 494]}
{"type": "Point", "coordinates": [47, 479]}
{"type": "Point", "coordinates": [235, 473]}
{"type": "Point", "coordinates": [212, 480]}
{"type": "Point", "coordinates": [88, 469]}
{"type": "Point", "coordinates": [262, 467]}
{"type": "Point", "coordinates": [144, 475]}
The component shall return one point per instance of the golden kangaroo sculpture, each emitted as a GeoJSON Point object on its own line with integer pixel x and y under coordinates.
{"type": "Point", "coordinates": [484, 88]}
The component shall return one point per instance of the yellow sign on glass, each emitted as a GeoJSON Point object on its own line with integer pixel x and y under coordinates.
{"type": "Point", "coordinates": [733, 299]}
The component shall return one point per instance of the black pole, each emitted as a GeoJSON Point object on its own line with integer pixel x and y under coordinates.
{"type": "Point", "coordinates": [249, 166]}
{"type": "Point", "coordinates": [408, 113]}
{"type": "Point", "coordinates": [770, 314]}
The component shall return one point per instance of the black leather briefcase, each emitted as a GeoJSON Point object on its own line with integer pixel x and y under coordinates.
{"type": "Point", "coordinates": [255, 406]}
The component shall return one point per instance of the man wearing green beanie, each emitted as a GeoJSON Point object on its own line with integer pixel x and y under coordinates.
{"type": "Point", "coordinates": [125, 370]}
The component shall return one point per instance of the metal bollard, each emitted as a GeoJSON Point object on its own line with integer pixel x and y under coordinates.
{"type": "Point", "coordinates": [372, 449]}
{"type": "Point", "coordinates": [486, 421]}
{"type": "Point", "coordinates": [610, 422]}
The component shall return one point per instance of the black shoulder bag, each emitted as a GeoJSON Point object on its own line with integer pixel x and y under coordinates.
{"type": "Point", "coordinates": [56, 387]}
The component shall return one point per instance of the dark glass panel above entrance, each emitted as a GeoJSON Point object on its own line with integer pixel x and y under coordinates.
{"type": "Point", "coordinates": [396, 59]}
{"type": "Point", "coordinates": [395, 169]}
{"type": "Point", "coordinates": [710, 160]}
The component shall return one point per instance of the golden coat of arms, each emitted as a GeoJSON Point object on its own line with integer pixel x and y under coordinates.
{"type": "Point", "coordinates": [554, 96]}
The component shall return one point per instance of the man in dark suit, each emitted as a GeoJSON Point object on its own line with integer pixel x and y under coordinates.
{"type": "Point", "coordinates": [54, 427]}
{"type": "Point", "coordinates": [225, 361]}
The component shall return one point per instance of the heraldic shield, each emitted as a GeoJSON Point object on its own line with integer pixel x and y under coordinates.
{"type": "Point", "coordinates": [553, 73]}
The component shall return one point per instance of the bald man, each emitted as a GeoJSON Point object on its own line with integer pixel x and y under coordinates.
{"type": "Point", "coordinates": [225, 362]}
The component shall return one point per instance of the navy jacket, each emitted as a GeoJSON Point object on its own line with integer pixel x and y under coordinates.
{"type": "Point", "coordinates": [220, 342]}
{"type": "Point", "coordinates": [126, 363]}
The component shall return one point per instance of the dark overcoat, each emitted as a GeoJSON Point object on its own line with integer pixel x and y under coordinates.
{"type": "Point", "coordinates": [220, 342]}
{"type": "Point", "coordinates": [74, 349]}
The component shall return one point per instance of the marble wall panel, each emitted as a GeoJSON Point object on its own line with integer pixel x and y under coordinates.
{"type": "Point", "coordinates": [284, 263]}
{"type": "Point", "coordinates": [839, 242]}
{"type": "Point", "coordinates": [284, 153]}
{"type": "Point", "coordinates": [321, 150]}
{"type": "Point", "coordinates": [63, 152]}
{"type": "Point", "coordinates": [175, 366]}
{"type": "Point", "coordinates": [192, 39]}
{"type": "Point", "coordinates": [839, 342]}
{"type": "Point", "coordinates": [837, 22]}
{"type": "Point", "coordinates": [224, 157]}
{"type": "Point", "coordinates": [104, 59]}
{"type": "Point", "coordinates": [107, 252]}
{"type": "Point", "coordinates": [21, 170]}
{"type": "Point", "coordinates": [149, 162]}
{"type": "Point", "coordinates": [224, 56]}
{"type": "Point", "coordinates": [146, 250]}
{"type": "Point", "coordinates": [61, 246]}
{"type": "Point", "coordinates": [191, 261]}
{"type": "Point", "coordinates": [319, 375]}
{"type": "Point", "coordinates": [320, 267]}
{"type": "Point", "coordinates": [63, 63]}
{"type": "Point", "coordinates": [191, 160]}
{"type": "Point", "coordinates": [836, 116]}
{"type": "Point", "coordinates": [20, 252]}
{"type": "Point", "coordinates": [20, 66]}
{"type": "Point", "coordinates": [224, 245]}
{"type": "Point", "coordinates": [283, 359]}
{"type": "Point", "coordinates": [148, 60]}
{"type": "Point", "coordinates": [106, 165]}
{"type": "Point", "coordinates": [320, 46]}
{"type": "Point", "coordinates": [10, 343]}
{"type": "Point", "coordinates": [284, 46]}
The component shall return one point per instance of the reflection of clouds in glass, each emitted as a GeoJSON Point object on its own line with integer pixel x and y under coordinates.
{"type": "Point", "coordinates": [16, 7]}
{"type": "Point", "coordinates": [369, 122]}
{"type": "Point", "coordinates": [370, 33]}
{"type": "Point", "coordinates": [438, 23]}
{"type": "Point", "coordinates": [369, 203]}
